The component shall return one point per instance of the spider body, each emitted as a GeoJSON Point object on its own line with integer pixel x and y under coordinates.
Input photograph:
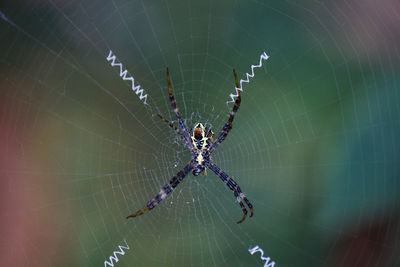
{"type": "Point", "coordinates": [201, 143]}
{"type": "Point", "coordinates": [201, 139]}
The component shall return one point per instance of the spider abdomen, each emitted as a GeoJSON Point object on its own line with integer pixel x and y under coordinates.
{"type": "Point", "coordinates": [199, 159]}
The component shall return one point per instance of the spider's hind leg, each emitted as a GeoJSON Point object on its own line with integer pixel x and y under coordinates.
{"type": "Point", "coordinates": [235, 188]}
{"type": "Point", "coordinates": [243, 196]}
{"type": "Point", "coordinates": [164, 191]}
{"type": "Point", "coordinates": [242, 206]}
{"type": "Point", "coordinates": [139, 212]}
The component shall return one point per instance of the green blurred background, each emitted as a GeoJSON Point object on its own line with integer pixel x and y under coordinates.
{"type": "Point", "coordinates": [314, 145]}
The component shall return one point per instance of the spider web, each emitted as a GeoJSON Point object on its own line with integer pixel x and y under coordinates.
{"type": "Point", "coordinates": [313, 146]}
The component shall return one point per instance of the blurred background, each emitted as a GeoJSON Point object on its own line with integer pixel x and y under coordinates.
{"type": "Point", "coordinates": [314, 144]}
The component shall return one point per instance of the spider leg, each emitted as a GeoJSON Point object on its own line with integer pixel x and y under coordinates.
{"type": "Point", "coordinates": [178, 115]}
{"type": "Point", "coordinates": [173, 127]}
{"type": "Point", "coordinates": [174, 182]}
{"type": "Point", "coordinates": [228, 126]}
{"type": "Point", "coordinates": [235, 188]}
{"type": "Point", "coordinates": [174, 107]}
{"type": "Point", "coordinates": [242, 206]}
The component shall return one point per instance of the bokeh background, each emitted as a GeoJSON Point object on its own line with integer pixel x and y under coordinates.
{"type": "Point", "coordinates": [314, 145]}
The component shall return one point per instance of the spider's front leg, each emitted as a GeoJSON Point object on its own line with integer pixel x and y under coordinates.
{"type": "Point", "coordinates": [173, 127]}
{"type": "Point", "coordinates": [174, 107]}
{"type": "Point", "coordinates": [235, 188]}
{"type": "Point", "coordinates": [174, 182]}
{"type": "Point", "coordinates": [228, 126]}
{"type": "Point", "coordinates": [185, 134]}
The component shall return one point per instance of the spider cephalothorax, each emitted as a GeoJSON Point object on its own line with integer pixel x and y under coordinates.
{"type": "Point", "coordinates": [199, 137]}
{"type": "Point", "coordinates": [201, 144]}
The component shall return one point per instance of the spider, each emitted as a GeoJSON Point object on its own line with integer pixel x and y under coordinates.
{"type": "Point", "coordinates": [201, 143]}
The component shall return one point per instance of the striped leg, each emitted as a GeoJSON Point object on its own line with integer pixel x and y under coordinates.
{"type": "Point", "coordinates": [173, 127]}
{"type": "Point", "coordinates": [174, 182]}
{"type": "Point", "coordinates": [241, 205]}
{"type": "Point", "coordinates": [228, 126]}
{"type": "Point", "coordinates": [175, 108]}
{"type": "Point", "coordinates": [235, 188]}
{"type": "Point", "coordinates": [170, 124]}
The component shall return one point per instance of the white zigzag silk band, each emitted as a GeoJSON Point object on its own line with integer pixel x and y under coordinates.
{"type": "Point", "coordinates": [115, 257]}
{"type": "Point", "coordinates": [263, 56]}
{"type": "Point", "coordinates": [266, 259]}
{"type": "Point", "coordinates": [124, 75]}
